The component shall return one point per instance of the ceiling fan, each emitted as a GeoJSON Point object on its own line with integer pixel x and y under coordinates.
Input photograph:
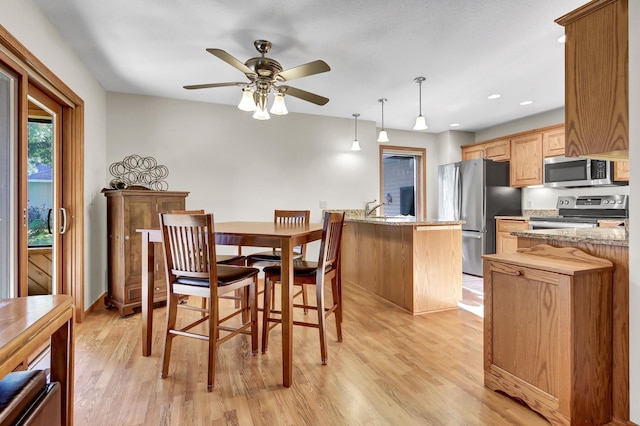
{"type": "Point", "coordinates": [265, 75]}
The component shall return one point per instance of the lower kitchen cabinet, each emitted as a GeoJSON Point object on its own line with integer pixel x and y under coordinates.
{"type": "Point", "coordinates": [548, 332]}
{"type": "Point", "coordinates": [505, 242]}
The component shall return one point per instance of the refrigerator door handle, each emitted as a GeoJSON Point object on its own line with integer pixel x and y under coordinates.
{"type": "Point", "coordinates": [458, 193]}
{"type": "Point", "coordinates": [472, 234]}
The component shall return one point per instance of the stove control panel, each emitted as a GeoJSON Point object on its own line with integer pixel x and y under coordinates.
{"type": "Point", "coordinates": [585, 202]}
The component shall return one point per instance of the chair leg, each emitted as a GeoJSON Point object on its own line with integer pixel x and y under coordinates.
{"type": "Point", "coordinates": [321, 322]}
{"type": "Point", "coordinates": [245, 304]}
{"type": "Point", "coordinates": [253, 306]}
{"type": "Point", "coordinates": [337, 300]}
{"type": "Point", "coordinates": [172, 310]}
{"type": "Point", "coordinates": [266, 309]}
{"type": "Point", "coordinates": [213, 340]}
{"type": "Point", "coordinates": [204, 305]}
{"type": "Point", "coordinates": [305, 299]}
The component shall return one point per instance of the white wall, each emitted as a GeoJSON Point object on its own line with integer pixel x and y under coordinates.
{"type": "Point", "coordinates": [24, 20]}
{"type": "Point", "coordinates": [242, 169]}
{"type": "Point", "coordinates": [634, 239]}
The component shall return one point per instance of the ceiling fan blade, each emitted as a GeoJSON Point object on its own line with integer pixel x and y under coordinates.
{"type": "Point", "coordinates": [315, 67]}
{"type": "Point", "coordinates": [232, 61]}
{"type": "Point", "coordinates": [304, 95]}
{"type": "Point", "coordinates": [206, 86]}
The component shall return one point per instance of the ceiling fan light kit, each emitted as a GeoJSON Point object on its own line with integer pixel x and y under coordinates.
{"type": "Point", "coordinates": [421, 123]}
{"type": "Point", "coordinates": [383, 137]}
{"type": "Point", "coordinates": [265, 75]}
{"type": "Point", "coordinates": [355, 145]}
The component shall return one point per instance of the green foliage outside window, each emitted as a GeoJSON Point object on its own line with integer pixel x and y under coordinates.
{"type": "Point", "coordinates": [39, 152]}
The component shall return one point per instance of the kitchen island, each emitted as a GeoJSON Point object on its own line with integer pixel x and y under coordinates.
{"type": "Point", "coordinates": [415, 264]}
{"type": "Point", "coordinates": [611, 244]}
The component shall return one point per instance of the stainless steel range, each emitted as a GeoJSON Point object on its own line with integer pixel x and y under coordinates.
{"type": "Point", "coordinates": [583, 212]}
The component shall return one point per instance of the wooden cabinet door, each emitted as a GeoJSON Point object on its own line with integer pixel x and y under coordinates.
{"type": "Point", "coordinates": [526, 160]}
{"type": "Point", "coordinates": [553, 142]}
{"type": "Point", "coordinates": [498, 151]}
{"type": "Point", "coordinates": [621, 171]}
{"type": "Point", "coordinates": [137, 215]}
{"type": "Point", "coordinates": [597, 79]}
{"type": "Point", "coordinates": [472, 152]}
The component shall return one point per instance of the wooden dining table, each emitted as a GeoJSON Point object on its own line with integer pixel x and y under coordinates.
{"type": "Point", "coordinates": [252, 234]}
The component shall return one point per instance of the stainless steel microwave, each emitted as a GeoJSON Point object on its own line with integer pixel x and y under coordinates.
{"type": "Point", "coordinates": [565, 172]}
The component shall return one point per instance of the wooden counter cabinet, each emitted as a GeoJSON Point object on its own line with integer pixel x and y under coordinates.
{"type": "Point", "coordinates": [547, 332]}
{"type": "Point", "coordinates": [505, 242]}
{"type": "Point", "coordinates": [127, 211]}
{"type": "Point", "coordinates": [418, 267]}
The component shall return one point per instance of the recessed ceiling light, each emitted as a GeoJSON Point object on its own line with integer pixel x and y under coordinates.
{"type": "Point", "coordinates": [523, 103]}
{"type": "Point", "coordinates": [562, 38]}
{"type": "Point", "coordinates": [454, 124]}
{"type": "Point", "coordinates": [494, 96]}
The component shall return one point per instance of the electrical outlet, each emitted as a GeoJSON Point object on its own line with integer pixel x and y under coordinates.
{"type": "Point", "coordinates": [323, 204]}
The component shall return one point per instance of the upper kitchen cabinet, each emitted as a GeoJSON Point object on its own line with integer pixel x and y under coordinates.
{"type": "Point", "coordinates": [553, 142]}
{"type": "Point", "coordinates": [526, 160]}
{"type": "Point", "coordinates": [597, 80]}
{"type": "Point", "coordinates": [496, 150]}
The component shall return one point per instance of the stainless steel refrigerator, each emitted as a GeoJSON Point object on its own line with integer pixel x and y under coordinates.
{"type": "Point", "coordinates": [476, 191]}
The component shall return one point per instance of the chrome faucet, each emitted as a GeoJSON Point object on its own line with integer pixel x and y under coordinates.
{"type": "Point", "coordinates": [369, 210]}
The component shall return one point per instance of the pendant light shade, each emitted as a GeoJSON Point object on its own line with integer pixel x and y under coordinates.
{"type": "Point", "coordinates": [278, 107]}
{"type": "Point", "coordinates": [421, 123]}
{"type": "Point", "coordinates": [383, 137]}
{"type": "Point", "coordinates": [355, 145]}
{"type": "Point", "coordinates": [247, 103]}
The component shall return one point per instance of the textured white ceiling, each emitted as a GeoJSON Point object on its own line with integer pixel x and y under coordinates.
{"type": "Point", "coordinates": [466, 49]}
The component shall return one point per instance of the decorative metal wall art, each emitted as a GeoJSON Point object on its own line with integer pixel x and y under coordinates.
{"type": "Point", "coordinates": [135, 170]}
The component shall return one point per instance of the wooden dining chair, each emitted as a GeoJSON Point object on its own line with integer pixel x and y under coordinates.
{"type": "Point", "coordinates": [274, 257]}
{"type": "Point", "coordinates": [282, 217]}
{"type": "Point", "coordinates": [327, 268]}
{"type": "Point", "coordinates": [189, 247]}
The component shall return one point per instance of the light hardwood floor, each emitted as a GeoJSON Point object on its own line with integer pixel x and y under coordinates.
{"type": "Point", "coordinates": [391, 369]}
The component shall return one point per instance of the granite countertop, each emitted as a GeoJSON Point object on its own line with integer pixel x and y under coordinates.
{"type": "Point", "coordinates": [527, 213]}
{"type": "Point", "coordinates": [612, 236]}
{"type": "Point", "coordinates": [357, 215]}
{"type": "Point", "coordinates": [403, 221]}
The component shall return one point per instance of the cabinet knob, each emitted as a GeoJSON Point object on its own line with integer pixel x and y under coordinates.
{"type": "Point", "coordinates": [518, 273]}
{"type": "Point", "coordinates": [157, 288]}
{"type": "Point", "coordinates": [126, 237]}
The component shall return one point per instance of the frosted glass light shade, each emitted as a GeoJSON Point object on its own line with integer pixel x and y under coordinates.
{"type": "Point", "coordinates": [421, 123]}
{"type": "Point", "coordinates": [355, 146]}
{"type": "Point", "coordinates": [383, 137]}
{"type": "Point", "coordinates": [261, 114]}
{"type": "Point", "coordinates": [247, 103]}
{"type": "Point", "coordinates": [279, 107]}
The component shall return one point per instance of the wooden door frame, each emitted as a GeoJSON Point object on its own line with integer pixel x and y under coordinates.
{"type": "Point", "coordinates": [72, 159]}
{"type": "Point", "coordinates": [421, 169]}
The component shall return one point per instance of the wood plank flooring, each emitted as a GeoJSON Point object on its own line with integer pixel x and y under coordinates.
{"type": "Point", "coordinates": [392, 368]}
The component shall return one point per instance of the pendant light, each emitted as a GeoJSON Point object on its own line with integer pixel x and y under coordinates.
{"type": "Point", "coordinates": [421, 123]}
{"type": "Point", "coordinates": [382, 137]}
{"type": "Point", "coordinates": [355, 146]}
